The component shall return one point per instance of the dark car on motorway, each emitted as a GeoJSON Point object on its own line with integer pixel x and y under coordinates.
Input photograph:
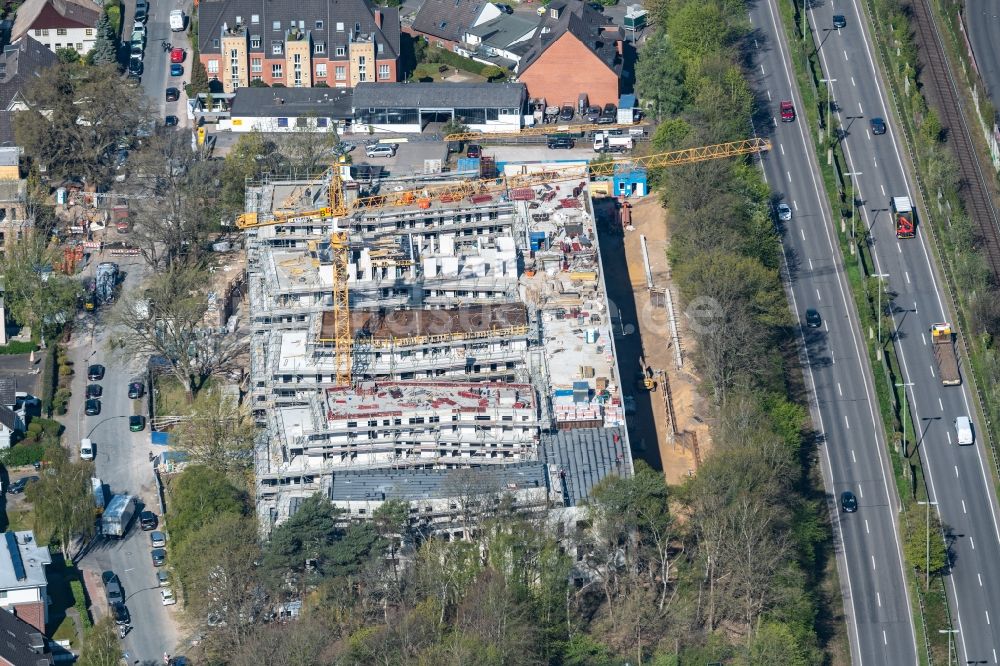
{"type": "Point", "coordinates": [95, 373]}
{"type": "Point", "coordinates": [136, 423]}
{"type": "Point", "coordinates": [135, 390]}
{"type": "Point", "coordinates": [878, 126]}
{"type": "Point", "coordinates": [813, 320]}
{"type": "Point", "coordinates": [112, 587]}
{"type": "Point", "coordinates": [839, 21]}
{"type": "Point", "coordinates": [92, 407]}
{"type": "Point", "coordinates": [159, 557]}
{"type": "Point", "coordinates": [848, 502]}
{"type": "Point", "coordinates": [148, 521]}
{"type": "Point", "coordinates": [609, 115]}
{"type": "Point", "coordinates": [173, 94]}
{"type": "Point", "coordinates": [18, 486]}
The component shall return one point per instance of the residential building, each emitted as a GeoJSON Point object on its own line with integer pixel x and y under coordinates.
{"type": "Point", "coordinates": [23, 580]}
{"type": "Point", "coordinates": [576, 50]}
{"type": "Point", "coordinates": [337, 43]}
{"type": "Point", "coordinates": [501, 41]}
{"type": "Point", "coordinates": [22, 644]}
{"type": "Point", "coordinates": [14, 410]}
{"type": "Point", "coordinates": [13, 197]}
{"type": "Point", "coordinates": [58, 23]}
{"type": "Point", "coordinates": [288, 110]}
{"type": "Point", "coordinates": [409, 107]}
{"type": "Point", "coordinates": [20, 62]}
{"type": "Point", "coordinates": [443, 23]}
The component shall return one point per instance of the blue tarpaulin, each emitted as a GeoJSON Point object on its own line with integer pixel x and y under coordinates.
{"type": "Point", "coordinates": [159, 438]}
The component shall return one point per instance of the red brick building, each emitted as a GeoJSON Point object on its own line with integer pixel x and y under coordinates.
{"type": "Point", "coordinates": [298, 43]}
{"type": "Point", "coordinates": [576, 50]}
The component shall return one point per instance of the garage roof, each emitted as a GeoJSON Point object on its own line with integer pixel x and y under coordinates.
{"type": "Point", "coordinates": [438, 95]}
{"type": "Point", "coordinates": [292, 103]}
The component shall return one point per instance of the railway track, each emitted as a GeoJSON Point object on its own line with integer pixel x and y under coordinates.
{"type": "Point", "coordinates": [972, 184]}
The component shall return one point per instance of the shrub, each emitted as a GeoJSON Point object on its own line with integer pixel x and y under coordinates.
{"type": "Point", "coordinates": [59, 401]}
{"type": "Point", "coordinates": [22, 455]}
{"type": "Point", "coordinates": [34, 429]}
{"type": "Point", "coordinates": [80, 603]}
{"type": "Point", "coordinates": [48, 380]}
{"type": "Point", "coordinates": [65, 370]}
{"type": "Point", "coordinates": [18, 347]}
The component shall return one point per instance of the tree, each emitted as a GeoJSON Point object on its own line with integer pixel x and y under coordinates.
{"type": "Point", "coordinates": [698, 30]}
{"type": "Point", "coordinates": [104, 51]}
{"type": "Point", "coordinates": [302, 545]}
{"type": "Point", "coordinates": [216, 565]}
{"type": "Point", "coordinates": [660, 76]}
{"type": "Point", "coordinates": [76, 117]}
{"type": "Point", "coordinates": [454, 127]}
{"type": "Point", "coordinates": [167, 320]}
{"type": "Point", "coordinates": [251, 156]}
{"type": "Point", "coordinates": [35, 294]}
{"type": "Point", "coordinates": [199, 76]}
{"type": "Point", "coordinates": [391, 520]}
{"type": "Point", "coordinates": [62, 499]}
{"type": "Point", "coordinates": [916, 541]}
{"type": "Point", "coordinates": [200, 495]}
{"type": "Point", "coordinates": [219, 433]}
{"type": "Point", "coordinates": [101, 646]}
{"type": "Point", "coordinates": [309, 150]}
{"type": "Point", "coordinates": [68, 55]}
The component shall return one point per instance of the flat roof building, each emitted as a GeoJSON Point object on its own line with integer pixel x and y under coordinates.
{"type": "Point", "coordinates": [408, 107]}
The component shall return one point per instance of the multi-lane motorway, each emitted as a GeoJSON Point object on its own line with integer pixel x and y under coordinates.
{"type": "Point", "coordinates": [844, 410]}
{"type": "Point", "coordinates": [982, 19]}
{"type": "Point", "coordinates": [958, 479]}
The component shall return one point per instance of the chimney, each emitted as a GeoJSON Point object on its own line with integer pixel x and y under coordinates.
{"type": "Point", "coordinates": [378, 18]}
{"type": "Point", "coordinates": [618, 46]}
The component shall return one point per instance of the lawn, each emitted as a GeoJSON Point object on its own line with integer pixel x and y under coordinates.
{"type": "Point", "coordinates": [428, 71]}
{"type": "Point", "coordinates": [61, 626]}
{"type": "Point", "coordinates": [171, 399]}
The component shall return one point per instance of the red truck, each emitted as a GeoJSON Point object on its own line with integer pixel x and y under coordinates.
{"type": "Point", "coordinates": [122, 222]}
{"type": "Point", "coordinates": [902, 214]}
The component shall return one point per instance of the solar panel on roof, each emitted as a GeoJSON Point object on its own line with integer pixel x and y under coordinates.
{"type": "Point", "coordinates": [15, 556]}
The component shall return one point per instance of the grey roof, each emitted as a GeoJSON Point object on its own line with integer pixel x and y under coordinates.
{"type": "Point", "coordinates": [583, 457]}
{"type": "Point", "coordinates": [8, 391]}
{"type": "Point", "coordinates": [293, 102]}
{"type": "Point", "coordinates": [20, 643]}
{"type": "Point", "coordinates": [418, 484]}
{"type": "Point", "coordinates": [597, 32]}
{"type": "Point", "coordinates": [7, 128]}
{"type": "Point", "coordinates": [439, 95]}
{"type": "Point", "coordinates": [447, 19]}
{"type": "Point", "coordinates": [8, 417]}
{"type": "Point", "coordinates": [214, 14]}
{"type": "Point", "coordinates": [504, 29]}
{"type": "Point", "coordinates": [19, 63]}
{"type": "Point", "coordinates": [33, 557]}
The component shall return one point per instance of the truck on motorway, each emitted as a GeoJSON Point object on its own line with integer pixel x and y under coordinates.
{"type": "Point", "coordinates": [902, 214]}
{"type": "Point", "coordinates": [944, 354]}
{"type": "Point", "coordinates": [118, 516]}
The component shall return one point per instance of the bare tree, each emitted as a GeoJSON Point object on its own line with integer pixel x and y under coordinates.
{"type": "Point", "coordinates": [168, 319]}
{"type": "Point", "coordinates": [475, 495]}
{"type": "Point", "coordinates": [219, 433]}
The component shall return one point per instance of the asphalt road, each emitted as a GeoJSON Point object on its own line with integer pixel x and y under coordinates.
{"type": "Point", "coordinates": [123, 465]}
{"type": "Point", "coordinates": [957, 476]}
{"type": "Point", "coordinates": [156, 62]}
{"type": "Point", "coordinates": [852, 447]}
{"type": "Point", "coordinates": [982, 19]}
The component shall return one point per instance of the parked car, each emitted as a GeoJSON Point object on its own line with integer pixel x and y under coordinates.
{"type": "Point", "coordinates": [848, 502]}
{"type": "Point", "coordinates": [173, 94]}
{"type": "Point", "coordinates": [135, 390]}
{"type": "Point", "coordinates": [878, 126]}
{"type": "Point", "coordinates": [92, 407]}
{"type": "Point", "coordinates": [784, 212]}
{"type": "Point", "coordinates": [136, 423]}
{"type": "Point", "coordinates": [148, 520]}
{"type": "Point", "coordinates": [609, 115]}
{"type": "Point", "coordinates": [136, 52]}
{"type": "Point", "coordinates": [135, 66]}
{"type": "Point", "coordinates": [560, 142]}
{"type": "Point", "coordinates": [95, 373]}
{"type": "Point", "coordinates": [839, 21]}
{"type": "Point", "coordinates": [177, 54]}
{"type": "Point", "coordinates": [176, 69]}
{"type": "Point", "coordinates": [18, 486]}
{"type": "Point", "coordinates": [163, 578]}
{"type": "Point", "coordinates": [159, 557]}
{"type": "Point", "coordinates": [592, 114]}
{"type": "Point", "coordinates": [506, 9]}
{"type": "Point", "coordinates": [158, 539]}
{"type": "Point", "coordinates": [566, 112]}
{"type": "Point", "coordinates": [112, 587]}
{"type": "Point", "coordinates": [170, 121]}
{"type": "Point", "coordinates": [474, 150]}
{"type": "Point", "coordinates": [787, 111]}
{"type": "Point", "coordinates": [120, 611]}
{"type": "Point", "coordinates": [167, 595]}
{"type": "Point", "coordinates": [380, 150]}
{"type": "Point", "coordinates": [86, 449]}
{"type": "Point", "coordinates": [95, 390]}
{"type": "Point", "coordinates": [141, 15]}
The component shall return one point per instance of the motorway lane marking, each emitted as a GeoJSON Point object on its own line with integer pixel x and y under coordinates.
{"type": "Point", "coordinates": [987, 617]}
{"type": "Point", "coordinates": [768, 95]}
{"type": "Point", "coordinates": [866, 527]}
{"type": "Point", "coordinates": [949, 437]}
{"type": "Point", "coordinates": [826, 326]}
{"type": "Point", "coordinates": [972, 542]}
{"type": "Point", "coordinates": [964, 510]}
{"type": "Point", "coordinates": [818, 297]}
{"type": "Point", "coordinates": [810, 264]}
{"type": "Point", "coordinates": [802, 233]}
{"type": "Point", "coordinates": [994, 655]}
{"type": "Point", "coordinates": [915, 312]}
{"type": "Point", "coordinates": [956, 471]}
{"type": "Point", "coordinates": [789, 174]}
{"type": "Point", "coordinates": [899, 247]}
{"type": "Point", "coordinates": [774, 121]}
{"type": "Point", "coordinates": [861, 492]}
{"type": "Point", "coordinates": [923, 336]}
{"type": "Point", "coordinates": [795, 205]}
{"type": "Point", "coordinates": [885, 639]}
{"type": "Point", "coordinates": [782, 148]}
{"type": "Point", "coordinates": [853, 457]}
{"type": "Point", "coordinates": [845, 55]}
{"type": "Point", "coordinates": [762, 68]}
{"type": "Point", "coordinates": [755, 44]}
{"type": "Point", "coordinates": [873, 563]}
{"type": "Point", "coordinates": [852, 78]}
{"type": "Point", "coordinates": [875, 161]}
{"type": "Point", "coordinates": [860, 110]}
{"type": "Point", "coordinates": [868, 134]}
{"type": "Point", "coordinates": [846, 422]}
{"type": "Point", "coordinates": [841, 393]}
{"type": "Point", "coordinates": [932, 372]}
{"type": "Point", "coordinates": [907, 274]}
{"type": "Point", "coordinates": [882, 187]}
{"type": "Point", "coordinates": [878, 597]}
{"type": "Point", "coordinates": [980, 577]}
{"type": "Point", "coordinates": [941, 404]}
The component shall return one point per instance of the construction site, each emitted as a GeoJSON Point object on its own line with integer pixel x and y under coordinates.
{"type": "Point", "coordinates": [415, 338]}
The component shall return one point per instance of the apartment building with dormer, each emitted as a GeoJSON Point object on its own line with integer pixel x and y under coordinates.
{"type": "Point", "coordinates": [301, 44]}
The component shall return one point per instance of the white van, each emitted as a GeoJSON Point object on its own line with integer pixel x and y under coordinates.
{"type": "Point", "coordinates": [177, 20]}
{"type": "Point", "coordinates": [963, 428]}
{"type": "Point", "coordinates": [86, 449]}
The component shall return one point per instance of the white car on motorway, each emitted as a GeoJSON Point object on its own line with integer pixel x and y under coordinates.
{"type": "Point", "coordinates": [784, 212]}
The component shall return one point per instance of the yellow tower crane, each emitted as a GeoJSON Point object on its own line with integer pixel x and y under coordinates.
{"type": "Point", "coordinates": [342, 337]}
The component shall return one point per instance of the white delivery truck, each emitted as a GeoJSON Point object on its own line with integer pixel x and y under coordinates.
{"type": "Point", "coordinates": [177, 20]}
{"type": "Point", "coordinates": [963, 428]}
{"type": "Point", "coordinates": [610, 143]}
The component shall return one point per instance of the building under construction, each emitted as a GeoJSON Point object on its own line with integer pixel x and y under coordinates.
{"type": "Point", "coordinates": [475, 350]}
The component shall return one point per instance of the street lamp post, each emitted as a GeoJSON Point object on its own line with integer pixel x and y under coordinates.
{"type": "Point", "coordinates": [881, 288]}
{"type": "Point", "coordinates": [906, 411]}
{"type": "Point", "coordinates": [949, 632]}
{"type": "Point", "coordinates": [927, 537]}
{"type": "Point", "coordinates": [854, 232]}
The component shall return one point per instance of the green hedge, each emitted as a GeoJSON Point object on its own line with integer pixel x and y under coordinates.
{"type": "Point", "coordinates": [80, 603]}
{"type": "Point", "coordinates": [18, 347]}
{"type": "Point", "coordinates": [22, 455]}
{"type": "Point", "coordinates": [48, 380]}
